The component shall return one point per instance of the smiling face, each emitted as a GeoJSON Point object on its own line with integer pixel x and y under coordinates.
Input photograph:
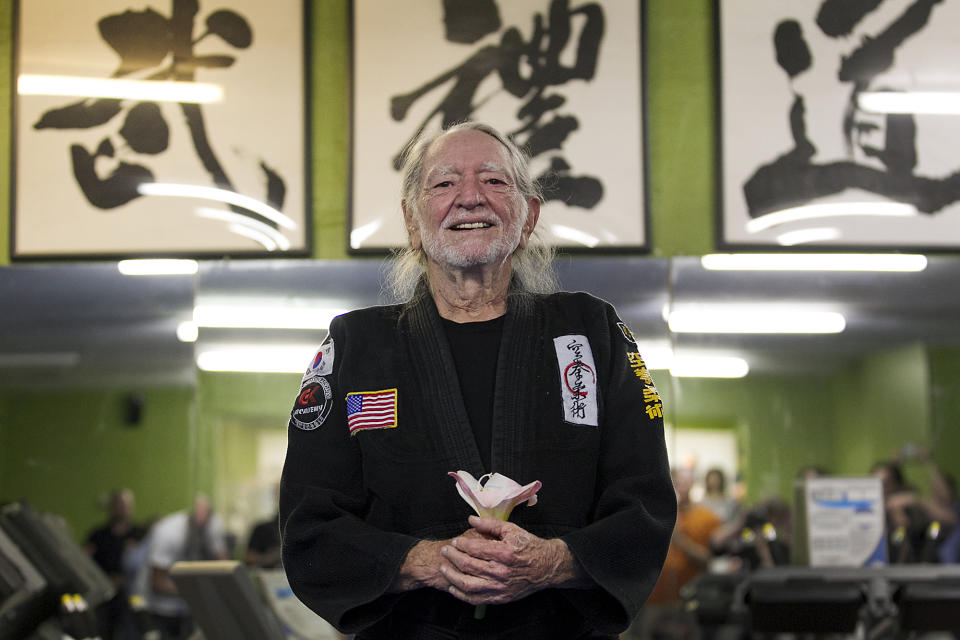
{"type": "Point", "coordinates": [469, 212]}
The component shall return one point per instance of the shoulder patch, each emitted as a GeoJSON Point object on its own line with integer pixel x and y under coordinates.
{"type": "Point", "coordinates": [578, 379]}
{"type": "Point", "coordinates": [313, 403]}
{"type": "Point", "coordinates": [627, 334]}
{"type": "Point", "coordinates": [322, 363]}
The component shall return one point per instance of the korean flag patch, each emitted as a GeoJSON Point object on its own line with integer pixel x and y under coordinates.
{"type": "Point", "coordinates": [322, 363]}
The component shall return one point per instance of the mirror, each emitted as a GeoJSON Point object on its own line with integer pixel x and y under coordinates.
{"type": "Point", "coordinates": [841, 401]}
{"type": "Point", "coordinates": [96, 390]}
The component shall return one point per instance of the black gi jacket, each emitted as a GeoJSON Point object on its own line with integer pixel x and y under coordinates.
{"type": "Point", "coordinates": [352, 506]}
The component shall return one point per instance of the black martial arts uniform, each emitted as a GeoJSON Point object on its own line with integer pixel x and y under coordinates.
{"type": "Point", "coordinates": [574, 407]}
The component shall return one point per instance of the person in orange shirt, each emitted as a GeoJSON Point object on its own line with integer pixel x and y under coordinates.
{"type": "Point", "coordinates": [687, 558]}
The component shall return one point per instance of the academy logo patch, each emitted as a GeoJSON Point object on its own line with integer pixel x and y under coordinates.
{"type": "Point", "coordinates": [578, 379]}
{"type": "Point", "coordinates": [313, 404]}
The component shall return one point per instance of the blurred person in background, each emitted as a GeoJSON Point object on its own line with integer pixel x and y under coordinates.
{"type": "Point", "coordinates": [757, 537]}
{"type": "Point", "coordinates": [263, 545]}
{"type": "Point", "coordinates": [924, 528]}
{"type": "Point", "coordinates": [907, 519]}
{"type": "Point", "coordinates": [197, 534]}
{"type": "Point", "coordinates": [687, 557]}
{"type": "Point", "coordinates": [715, 496]}
{"type": "Point", "coordinates": [108, 545]}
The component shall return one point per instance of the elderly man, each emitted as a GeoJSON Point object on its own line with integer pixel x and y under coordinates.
{"type": "Point", "coordinates": [478, 370]}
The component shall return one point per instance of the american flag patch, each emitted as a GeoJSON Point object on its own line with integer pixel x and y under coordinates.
{"type": "Point", "coordinates": [371, 410]}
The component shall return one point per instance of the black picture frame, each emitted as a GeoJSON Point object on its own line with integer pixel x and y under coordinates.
{"type": "Point", "coordinates": [589, 147]}
{"type": "Point", "coordinates": [82, 166]}
{"type": "Point", "coordinates": [807, 159]}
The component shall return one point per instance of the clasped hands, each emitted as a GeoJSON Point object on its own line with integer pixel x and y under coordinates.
{"type": "Point", "coordinates": [494, 562]}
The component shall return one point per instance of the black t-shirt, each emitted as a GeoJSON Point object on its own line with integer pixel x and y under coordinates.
{"type": "Point", "coordinates": [108, 547]}
{"type": "Point", "coordinates": [475, 346]}
{"type": "Point", "coordinates": [265, 537]}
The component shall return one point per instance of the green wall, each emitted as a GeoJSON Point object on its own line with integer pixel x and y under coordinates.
{"type": "Point", "coordinates": [330, 144]}
{"type": "Point", "coordinates": [945, 408]}
{"type": "Point", "coordinates": [844, 423]}
{"type": "Point", "coordinates": [63, 451]}
{"type": "Point", "coordinates": [680, 119]}
{"type": "Point", "coordinates": [782, 424]}
{"type": "Point", "coordinates": [234, 408]}
{"type": "Point", "coordinates": [882, 404]}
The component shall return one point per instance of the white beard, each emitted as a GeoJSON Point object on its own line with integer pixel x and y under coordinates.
{"type": "Point", "coordinates": [464, 257]}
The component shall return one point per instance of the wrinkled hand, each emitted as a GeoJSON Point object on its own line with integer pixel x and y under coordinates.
{"type": "Point", "coordinates": [498, 562]}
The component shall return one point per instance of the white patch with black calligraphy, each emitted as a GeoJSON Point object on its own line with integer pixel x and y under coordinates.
{"type": "Point", "coordinates": [578, 379]}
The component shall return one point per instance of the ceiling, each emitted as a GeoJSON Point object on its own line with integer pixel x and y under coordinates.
{"type": "Point", "coordinates": [882, 310]}
{"type": "Point", "coordinates": [85, 324]}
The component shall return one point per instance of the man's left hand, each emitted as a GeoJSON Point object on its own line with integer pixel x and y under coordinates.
{"type": "Point", "coordinates": [504, 563]}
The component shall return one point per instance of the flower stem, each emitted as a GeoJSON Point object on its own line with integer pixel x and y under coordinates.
{"type": "Point", "coordinates": [479, 611]}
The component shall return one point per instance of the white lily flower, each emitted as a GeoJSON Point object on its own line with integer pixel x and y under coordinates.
{"type": "Point", "coordinates": [494, 495]}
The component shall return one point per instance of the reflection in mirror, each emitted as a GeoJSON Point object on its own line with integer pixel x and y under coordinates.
{"type": "Point", "coordinates": [97, 391]}
{"type": "Point", "coordinates": [99, 388]}
{"type": "Point", "coordinates": [88, 325]}
{"type": "Point", "coordinates": [880, 372]}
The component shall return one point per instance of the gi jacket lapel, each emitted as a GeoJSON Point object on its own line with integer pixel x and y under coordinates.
{"type": "Point", "coordinates": [514, 408]}
{"type": "Point", "coordinates": [516, 385]}
{"type": "Point", "coordinates": [438, 384]}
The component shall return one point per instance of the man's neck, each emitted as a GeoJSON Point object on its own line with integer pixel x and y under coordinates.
{"type": "Point", "coordinates": [471, 295]}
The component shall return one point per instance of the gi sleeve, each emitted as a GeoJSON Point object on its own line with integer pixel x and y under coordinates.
{"type": "Point", "coordinates": [337, 564]}
{"type": "Point", "coordinates": [624, 547]}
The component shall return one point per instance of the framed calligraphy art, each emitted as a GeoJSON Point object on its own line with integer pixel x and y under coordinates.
{"type": "Point", "coordinates": [562, 78]}
{"type": "Point", "coordinates": [838, 124]}
{"type": "Point", "coordinates": [159, 128]}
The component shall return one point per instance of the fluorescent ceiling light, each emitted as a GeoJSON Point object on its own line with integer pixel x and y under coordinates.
{"type": "Point", "coordinates": [263, 316]}
{"type": "Point", "coordinates": [574, 235]}
{"type": "Point", "coordinates": [709, 367]}
{"type": "Point", "coordinates": [753, 319]}
{"type": "Point", "coordinates": [188, 331]}
{"type": "Point", "coordinates": [918, 102]}
{"type": "Point", "coordinates": [657, 355]}
{"type": "Point", "coordinates": [48, 359]}
{"type": "Point", "coordinates": [257, 358]}
{"type": "Point", "coordinates": [151, 90]}
{"type": "Point", "coordinates": [804, 236]}
{"type": "Point", "coordinates": [158, 267]}
{"type": "Point", "coordinates": [814, 262]}
{"type": "Point", "coordinates": [218, 195]}
{"type": "Point", "coordinates": [829, 210]}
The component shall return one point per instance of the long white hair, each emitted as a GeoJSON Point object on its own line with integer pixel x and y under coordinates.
{"type": "Point", "coordinates": [532, 266]}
